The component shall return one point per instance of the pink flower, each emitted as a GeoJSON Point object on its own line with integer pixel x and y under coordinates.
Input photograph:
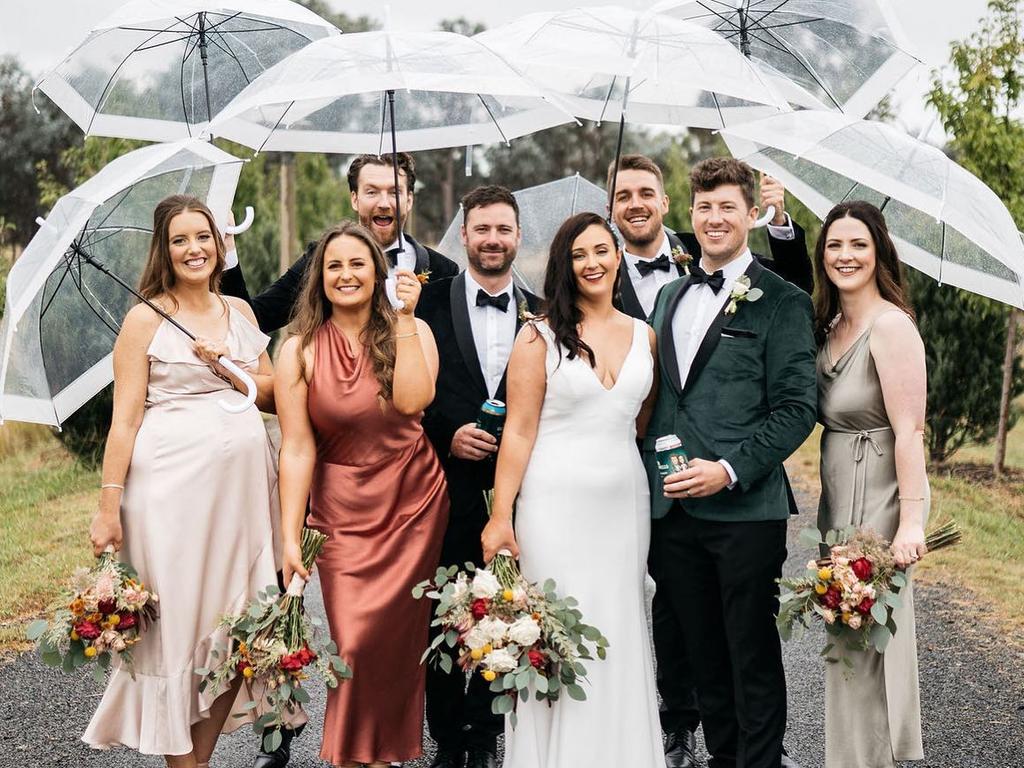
{"type": "Point", "coordinates": [854, 621]}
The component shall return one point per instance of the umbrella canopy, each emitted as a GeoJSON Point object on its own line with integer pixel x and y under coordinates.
{"type": "Point", "coordinates": [62, 313]}
{"type": "Point", "coordinates": [542, 209]}
{"type": "Point", "coordinates": [609, 62]}
{"type": "Point", "coordinates": [946, 222]}
{"type": "Point", "coordinates": [820, 54]}
{"type": "Point", "coordinates": [158, 69]}
{"type": "Point", "coordinates": [449, 90]}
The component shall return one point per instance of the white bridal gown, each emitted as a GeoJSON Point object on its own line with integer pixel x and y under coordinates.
{"type": "Point", "coordinates": [583, 519]}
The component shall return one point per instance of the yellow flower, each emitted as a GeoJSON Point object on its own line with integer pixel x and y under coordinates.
{"type": "Point", "coordinates": [487, 648]}
{"type": "Point", "coordinates": [507, 594]}
{"type": "Point", "coordinates": [74, 635]}
{"type": "Point", "coordinates": [242, 648]}
{"type": "Point", "coordinates": [846, 617]}
{"type": "Point", "coordinates": [825, 573]}
{"type": "Point", "coordinates": [820, 588]}
{"type": "Point", "coordinates": [95, 618]}
{"type": "Point", "coordinates": [247, 673]}
{"type": "Point", "coordinates": [90, 652]}
{"type": "Point", "coordinates": [77, 607]}
{"type": "Point", "coordinates": [476, 654]}
{"type": "Point", "coordinates": [489, 675]}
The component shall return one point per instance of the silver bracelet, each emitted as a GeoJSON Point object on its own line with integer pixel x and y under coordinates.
{"type": "Point", "coordinates": [407, 335]}
{"type": "Point", "coordinates": [112, 485]}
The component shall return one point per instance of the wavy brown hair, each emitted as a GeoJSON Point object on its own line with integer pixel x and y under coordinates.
{"type": "Point", "coordinates": [889, 275]}
{"type": "Point", "coordinates": [313, 308]}
{"type": "Point", "coordinates": [158, 274]}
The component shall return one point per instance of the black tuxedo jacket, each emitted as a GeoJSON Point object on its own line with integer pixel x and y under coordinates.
{"type": "Point", "coordinates": [461, 388]}
{"type": "Point", "coordinates": [273, 307]}
{"type": "Point", "coordinates": [789, 260]}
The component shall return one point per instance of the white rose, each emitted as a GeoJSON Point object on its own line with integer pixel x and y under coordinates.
{"type": "Point", "coordinates": [500, 661]}
{"type": "Point", "coordinates": [494, 629]}
{"type": "Point", "coordinates": [476, 638]}
{"type": "Point", "coordinates": [524, 632]}
{"type": "Point", "coordinates": [518, 594]}
{"type": "Point", "coordinates": [740, 289]}
{"type": "Point", "coordinates": [854, 621]}
{"type": "Point", "coordinates": [485, 584]}
{"type": "Point", "coordinates": [461, 590]}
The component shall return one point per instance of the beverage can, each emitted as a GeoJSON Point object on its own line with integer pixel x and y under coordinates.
{"type": "Point", "coordinates": [491, 418]}
{"type": "Point", "coordinates": [671, 458]}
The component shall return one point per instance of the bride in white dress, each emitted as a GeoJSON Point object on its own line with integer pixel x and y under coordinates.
{"type": "Point", "coordinates": [583, 512]}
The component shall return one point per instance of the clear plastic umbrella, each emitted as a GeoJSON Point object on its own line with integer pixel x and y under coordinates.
{"type": "Point", "coordinates": [822, 54]}
{"type": "Point", "coordinates": [946, 222]}
{"type": "Point", "coordinates": [542, 209]}
{"type": "Point", "coordinates": [72, 286]}
{"type": "Point", "coordinates": [159, 69]}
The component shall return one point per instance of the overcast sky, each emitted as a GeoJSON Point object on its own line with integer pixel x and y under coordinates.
{"type": "Point", "coordinates": [39, 32]}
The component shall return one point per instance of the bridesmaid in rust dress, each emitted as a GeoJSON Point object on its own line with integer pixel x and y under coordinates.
{"type": "Point", "coordinates": [352, 383]}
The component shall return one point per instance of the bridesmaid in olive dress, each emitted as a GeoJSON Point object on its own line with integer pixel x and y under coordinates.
{"type": "Point", "coordinates": [871, 400]}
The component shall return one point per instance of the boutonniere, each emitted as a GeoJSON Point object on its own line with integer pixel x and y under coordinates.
{"type": "Point", "coordinates": [525, 315]}
{"type": "Point", "coordinates": [682, 258]}
{"type": "Point", "coordinates": [423, 277]}
{"type": "Point", "coordinates": [741, 291]}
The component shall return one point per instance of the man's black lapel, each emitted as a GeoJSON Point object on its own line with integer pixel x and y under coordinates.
{"type": "Point", "coordinates": [714, 334]}
{"type": "Point", "coordinates": [666, 339]}
{"type": "Point", "coordinates": [422, 257]}
{"type": "Point", "coordinates": [627, 294]}
{"type": "Point", "coordinates": [464, 332]}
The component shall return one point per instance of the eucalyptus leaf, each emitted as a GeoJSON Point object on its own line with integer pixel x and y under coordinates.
{"type": "Point", "coordinates": [541, 684]}
{"type": "Point", "coordinates": [811, 537]}
{"type": "Point", "coordinates": [445, 663]}
{"type": "Point", "coordinates": [576, 692]}
{"type": "Point", "coordinates": [36, 629]}
{"type": "Point", "coordinates": [300, 695]}
{"type": "Point", "coordinates": [879, 613]}
{"type": "Point", "coordinates": [272, 740]}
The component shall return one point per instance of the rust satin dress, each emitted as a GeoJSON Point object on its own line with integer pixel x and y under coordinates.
{"type": "Point", "coordinates": [379, 493]}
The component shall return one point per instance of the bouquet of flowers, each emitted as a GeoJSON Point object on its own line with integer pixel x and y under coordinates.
{"type": "Point", "coordinates": [514, 633]}
{"type": "Point", "coordinates": [853, 591]}
{"type": "Point", "coordinates": [105, 611]}
{"type": "Point", "coordinates": [275, 646]}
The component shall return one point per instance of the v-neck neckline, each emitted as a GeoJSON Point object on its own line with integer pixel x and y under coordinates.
{"type": "Point", "coordinates": [622, 365]}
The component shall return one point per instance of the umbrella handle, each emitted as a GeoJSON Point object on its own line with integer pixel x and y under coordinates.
{"type": "Point", "coordinates": [250, 387]}
{"type": "Point", "coordinates": [237, 229]}
{"type": "Point", "coordinates": [768, 216]}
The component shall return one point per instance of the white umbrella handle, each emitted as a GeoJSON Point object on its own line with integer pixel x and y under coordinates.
{"type": "Point", "coordinates": [250, 387]}
{"type": "Point", "coordinates": [237, 229]}
{"type": "Point", "coordinates": [768, 216]}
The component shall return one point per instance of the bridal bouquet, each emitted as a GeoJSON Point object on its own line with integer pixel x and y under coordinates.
{"type": "Point", "coordinates": [104, 612]}
{"type": "Point", "coordinates": [276, 646]}
{"type": "Point", "coordinates": [514, 633]}
{"type": "Point", "coordinates": [853, 591]}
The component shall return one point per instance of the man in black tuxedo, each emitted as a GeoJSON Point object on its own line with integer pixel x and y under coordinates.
{"type": "Point", "coordinates": [474, 318]}
{"type": "Point", "coordinates": [655, 256]}
{"type": "Point", "coordinates": [371, 183]}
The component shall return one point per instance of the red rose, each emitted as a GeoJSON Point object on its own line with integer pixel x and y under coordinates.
{"type": "Point", "coordinates": [127, 621]}
{"type": "Point", "coordinates": [863, 568]}
{"type": "Point", "coordinates": [536, 659]}
{"type": "Point", "coordinates": [307, 656]}
{"type": "Point", "coordinates": [832, 598]}
{"type": "Point", "coordinates": [479, 608]}
{"type": "Point", "coordinates": [290, 663]}
{"type": "Point", "coordinates": [107, 606]}
{"type": "Point", "coordinates": [87, 630]}
{"type": "Point", "coordinates": [864, 607]}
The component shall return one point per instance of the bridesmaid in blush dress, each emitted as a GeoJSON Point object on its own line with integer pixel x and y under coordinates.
{"type": "Point", "coordinates": [353, 381]}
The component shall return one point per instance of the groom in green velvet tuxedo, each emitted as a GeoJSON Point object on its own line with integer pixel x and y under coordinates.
{"type": "Point", "coordinates": [736, 358]}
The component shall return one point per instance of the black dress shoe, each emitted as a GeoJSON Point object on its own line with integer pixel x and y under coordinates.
{"type": "Point", "coordinates": [445, 758]}
{"type": "Point", "coordinates": [680, 750]}
{"type": "Point", "coordinates": [481, 758]}
{"type": "Point", "coordinates": [279, 757]}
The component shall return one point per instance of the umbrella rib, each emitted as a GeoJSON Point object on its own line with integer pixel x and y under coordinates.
{"type": "Point", "coordinates": [607, 98]}
{"type": "Point", "coordinates": [783, 25]}
{"type": "Point", "coordinates": [806, 67]}
{"type": "Point", "coordinates": [767, 13]}
{"type": "Point", "coordinates": [181, 87]}
{"type": "Point", "coordinates": [493, 120]}
{"type": "Point", "coordinates": [717, 14]}
{"type": "Point", "coordinates": [234, 56]}
{"type": "Point", "coordinates": [718, 107]}
{"type": "Point", "coordinates": [67, 270]}
{"type": "Point", "coordinates": [276, 126]}
{"type": "Point", "coordinates": [106, 88]}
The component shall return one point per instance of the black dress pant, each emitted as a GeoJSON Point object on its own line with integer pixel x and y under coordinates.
{"type": "Point", "coordinates": [459, 716]}
{"type": "Point", "coordinates": [719, 578]}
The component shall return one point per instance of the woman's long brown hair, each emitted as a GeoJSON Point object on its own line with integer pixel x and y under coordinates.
{"type": "Point", "coordinates": [888, 271]}
{"type": "Point", "coordinates": [313, 308]}
{"type": "Point", "coordinates": [158, 274]}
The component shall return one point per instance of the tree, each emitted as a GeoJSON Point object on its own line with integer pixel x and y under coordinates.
{"type": "Point", "coordinates": [976, 102]}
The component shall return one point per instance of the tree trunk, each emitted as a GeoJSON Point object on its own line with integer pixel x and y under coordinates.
{"type": "Point", "coordinates": [999, 463]}
{"type": "Point", "coordinates": [287, 210]}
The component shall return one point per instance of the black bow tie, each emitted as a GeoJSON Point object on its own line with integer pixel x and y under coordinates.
{"type": "Point", "coordinates": [392, 255]}
{"type": "Point", "coordinates": [714, 281]}
{"type": "Point", "coordinates": [646, 266]}
{"type": "Point", "coordinates": [483, 298]}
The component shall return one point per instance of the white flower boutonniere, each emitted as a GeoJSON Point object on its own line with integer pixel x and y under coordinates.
{"type": "Point", "coordinates": [741, 291]}
{"type": "Point", "coordinates": [525, 315]}
{"type": "Point", "coordinates": [682, 258]}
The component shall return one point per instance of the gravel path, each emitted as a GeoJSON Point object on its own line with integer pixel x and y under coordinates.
{"type": "Point", "coordinates": [972, 690]}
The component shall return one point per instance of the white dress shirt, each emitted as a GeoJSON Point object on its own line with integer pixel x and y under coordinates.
{"type": "Point", "coordinates": [494, 332]}
{"type": "Point", "coordinates": [694, 315]}
{"type": "Point", "coordinates": [647, 286]}
{"type": "Point", "coordinates": [406, 260]}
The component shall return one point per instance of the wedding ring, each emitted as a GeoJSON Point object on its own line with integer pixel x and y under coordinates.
{"type": "Point", "coordinates": [687, 492]}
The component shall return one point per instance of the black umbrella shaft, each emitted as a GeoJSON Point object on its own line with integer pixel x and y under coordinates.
{"type": "Point", "coordinates": [120, 281]}
{"type": "Point", "coordinates": [744, 31]}
{"type": "Point", "coordinates": [615, 166]}
{"type": "Point", "coordinates": [394, 164]}
{"type": "Point", "coordinates": [203, 58]}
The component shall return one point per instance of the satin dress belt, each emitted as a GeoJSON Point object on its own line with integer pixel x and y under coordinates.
{"type": "Point", "coordinates": [862, 440]}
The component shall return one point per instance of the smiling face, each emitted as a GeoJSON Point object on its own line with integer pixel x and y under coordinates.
{"type": "Point", "coordinates": [850, 261]}
{"type": "Point", "coordinates": [721, 221]}
{"type": "Point", "coordinates": [491, 236]}
{"type": "Point", "coordinates": [639, 208]}
{"type": "Point", "coordinates": [349, 274]}
{"type": "Point", "coordinates": [192, 246]}
{"type": "Point", "coordinates": [374, 201]}
{"type": "Point", "coordinates": [595, 262]}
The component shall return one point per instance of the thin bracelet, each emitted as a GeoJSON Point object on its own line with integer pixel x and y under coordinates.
{"type": "Point", "coordinates": [407, 335]}
{"type": "Point", "coordinates": [112, 485]}
{"type": "Point", "coordinates": [911, 498]}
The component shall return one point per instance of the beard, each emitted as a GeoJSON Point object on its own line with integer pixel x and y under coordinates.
{"type": "Point", "coordinates": [639, 237]}
{"type": "Point", "coordinates": [476, 258]}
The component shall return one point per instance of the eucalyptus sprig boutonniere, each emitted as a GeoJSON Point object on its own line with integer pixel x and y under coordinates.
{"type": "Point", "coordinates": [741, 291]}
{"type": "Point", "coordinates": [682, 258]}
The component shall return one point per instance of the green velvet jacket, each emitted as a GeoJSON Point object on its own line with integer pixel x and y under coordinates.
{"type": "Point", "coordinates": [750, 398]}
